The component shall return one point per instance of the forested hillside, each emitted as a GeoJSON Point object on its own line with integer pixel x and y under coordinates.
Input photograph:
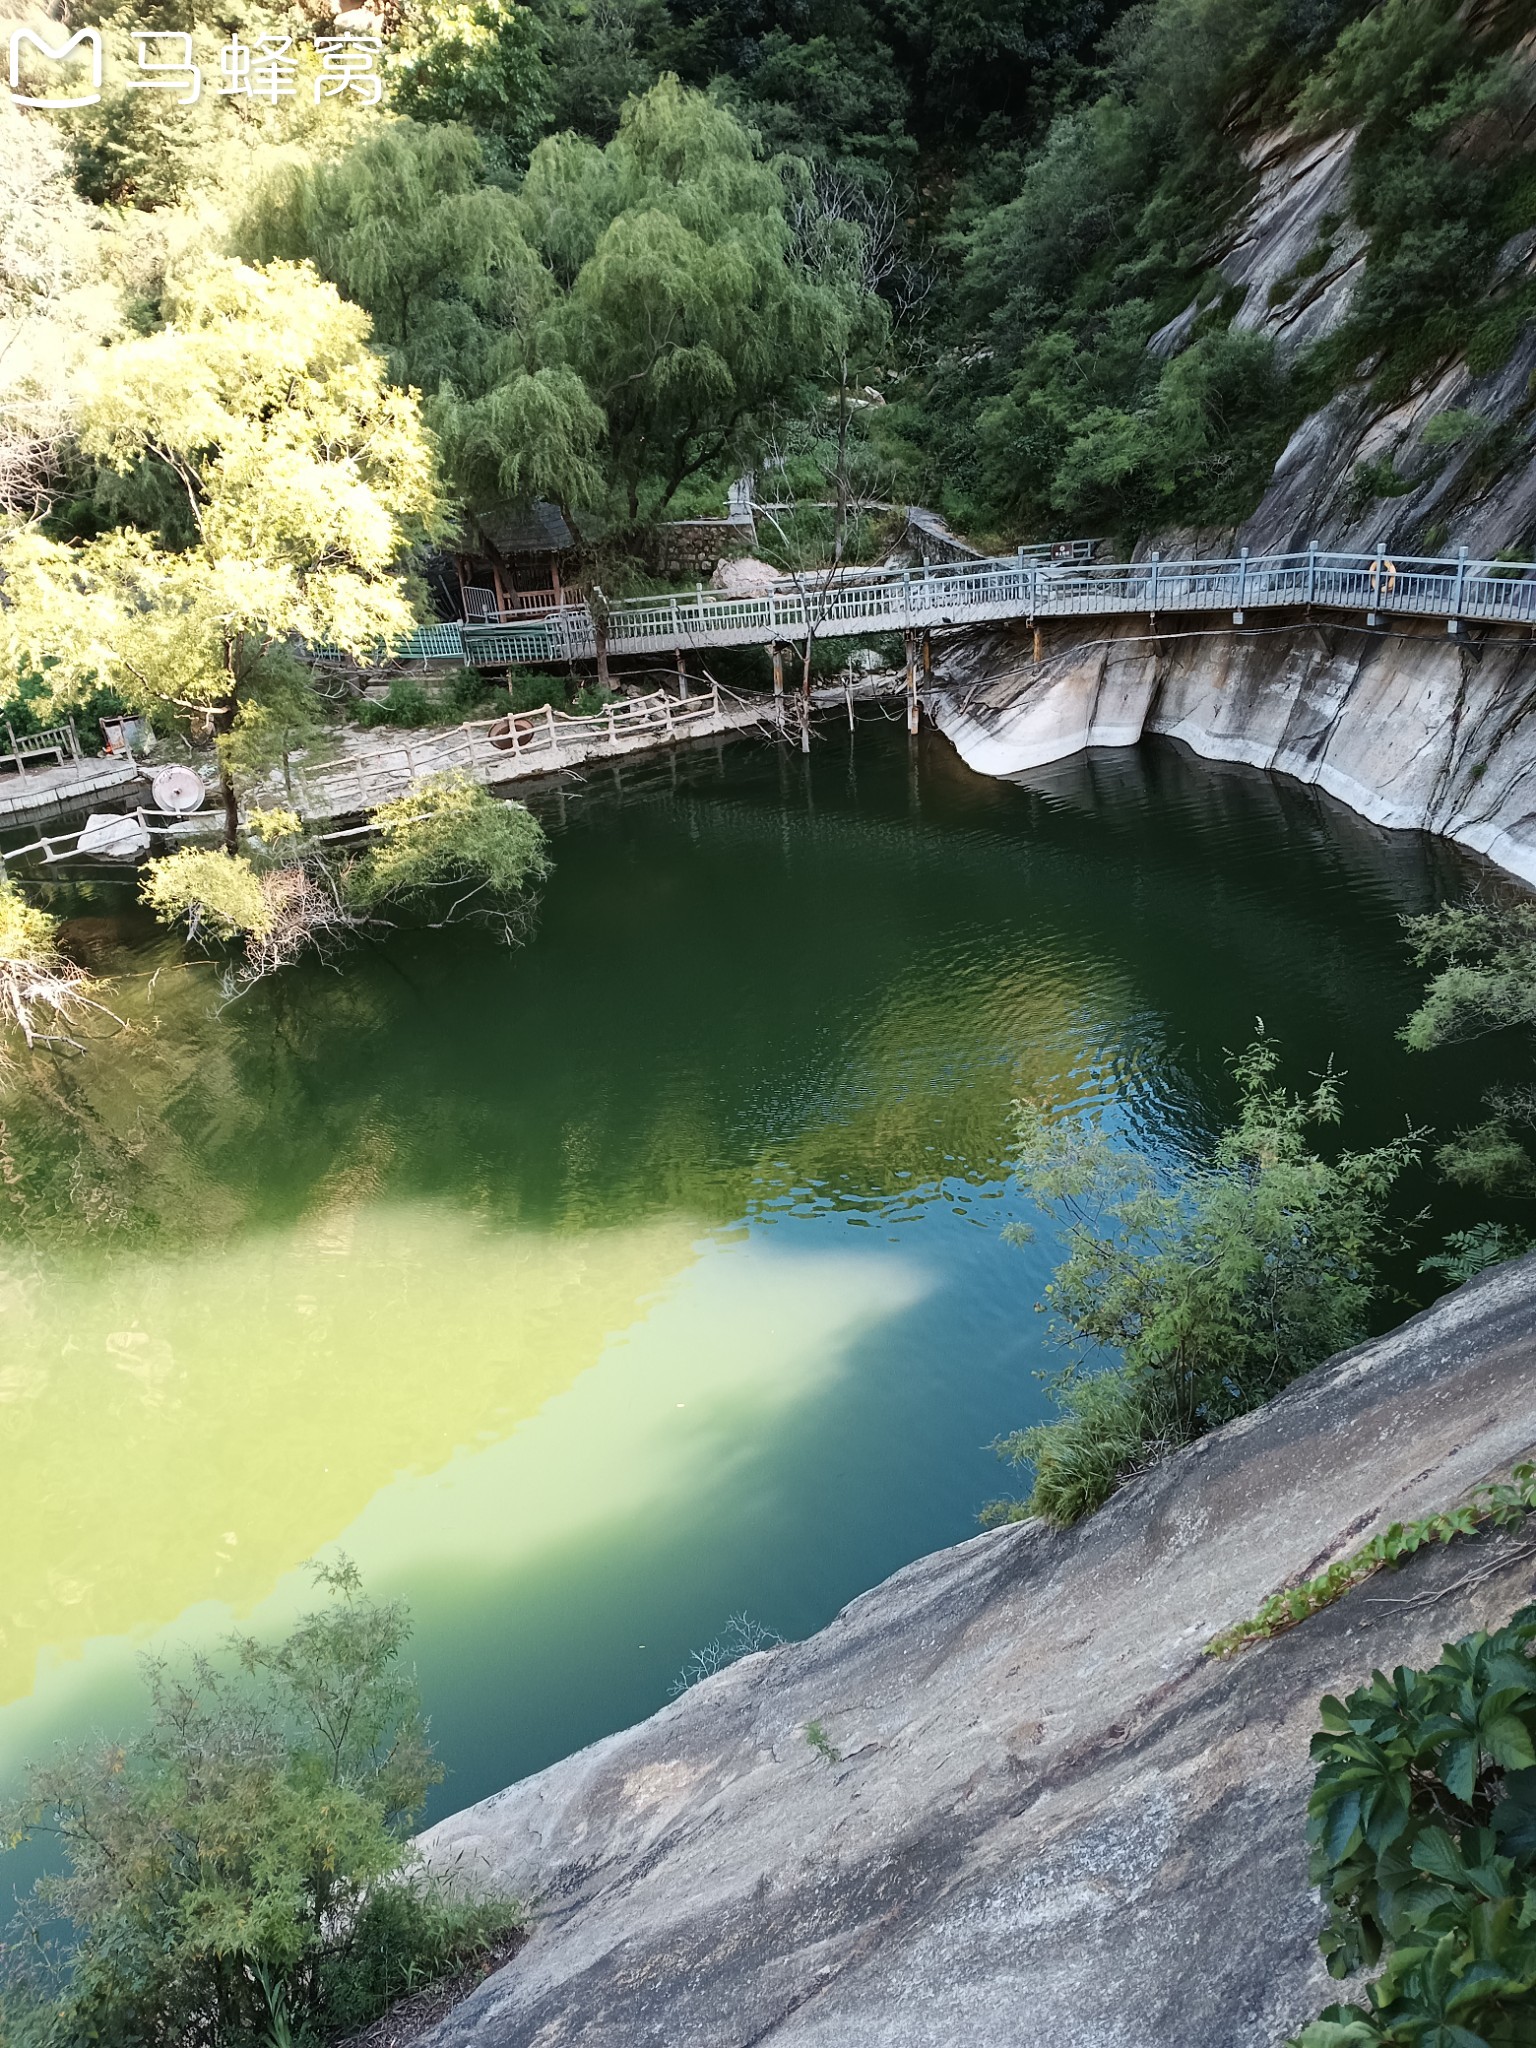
{"type": "Point", "coordinates": [880, 250]}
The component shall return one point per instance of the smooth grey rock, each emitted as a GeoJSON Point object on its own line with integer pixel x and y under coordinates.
{"type": "Point", "coordinates": [1303, 184]}
{"type": "Point", "coordinates": [1412, 729]}
{"type": "Point", "coordinates": [1055, 1824]}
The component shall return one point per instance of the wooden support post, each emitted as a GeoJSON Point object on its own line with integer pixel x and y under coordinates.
{"type": "Point", "coordinates": [911, 682]}
{"type": "Point", "coordinates": [682, 677]}
{"type": "Point", "coordinates": [1039, 647]}
{"type": "Point", "coordinates": [848, 697]}
{"type": "Point", "coordinates": [777, 651]}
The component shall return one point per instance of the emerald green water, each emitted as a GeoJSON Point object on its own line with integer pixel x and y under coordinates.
{"type": "Point", "coordinates": [591, 1292]}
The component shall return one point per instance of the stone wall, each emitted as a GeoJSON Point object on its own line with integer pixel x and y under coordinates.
{"type": "Point", "coordinates": [1407, 726]}
{"type": "Point", "coordinates": [696, 547]}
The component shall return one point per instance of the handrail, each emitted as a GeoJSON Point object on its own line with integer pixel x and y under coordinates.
{"type": "Point", "coordinates": [1055, 582]}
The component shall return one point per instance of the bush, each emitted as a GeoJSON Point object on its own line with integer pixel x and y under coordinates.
{"type": "Point", "coordinates": [1484, 957]}
{"type": "Point", "coordinates": [1422, 1825]}
{"type": "Point", "coordinates": [216, 894]}
{"type": "Point", "coordinates": [238, 1872]}
{"type": "Point", "coordinates": [407, 704]}
{"type": "Point", "coordinates": [1215, 1293]}
{"type": "Point", "coordinates": [449, 833]}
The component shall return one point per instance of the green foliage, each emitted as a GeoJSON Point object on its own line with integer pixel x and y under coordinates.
{"type": "Point", "coordinates": [1497, 1507]}
{"type": "Point", "coordinates": [449, 833]}
{"type": "Point", "coordinates": [1215, 1293]}
{"type": "Point", "coordinates": [630, 317]}
{"type": "Point", "coordinates": [216, 894]}
{"type": "Point", "coordinates": [39, 987]}
{"type": "Point", "coordinates": [1470, 1252]}
{"type": "Point", "coordinates": [27, 934]}
{"type": "Point", "coordinates": [1422, 1826]}
{"type": "Point", "coordinates": [406, 703]}
{"type": "Point", "coordinates": [1484, 954]}
{"type": "Point", "coordinates": [1450, 428]}
{"type": "Point", "coordinates": [1439, 179]}
{"type": "Point", "coordinates": [822, 1743]}
{"type": "Point", "coordinates": [470, 61]}
{"type": "Point", "coordinates": [288, 483]}
{"type": "Point", "coordinates": [238, 1871]}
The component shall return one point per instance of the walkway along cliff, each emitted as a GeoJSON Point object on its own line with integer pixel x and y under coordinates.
{"type": "Point", "coordinates": [1039, 1816]}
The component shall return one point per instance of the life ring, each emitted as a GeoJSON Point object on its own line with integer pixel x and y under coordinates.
{"type": "Point", "coordinates": [1383, 576]}
{"type": "Point", "coordinates": [508, 735]}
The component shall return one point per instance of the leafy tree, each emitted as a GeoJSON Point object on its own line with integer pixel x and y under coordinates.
{"type": "Point", "coordinates": [1485, 956]}
{"type": "Point", "coordinates": [598, 54]}
{"type": "Point", "coordinates": [290, 896]}
{"type": "Point", "coordinates": [1214, 1293]}
{"type": "Point", "coordinates": [628, 320]}
{"type": "Point", "coordinates": [471, 61]}
{"type": "Point", "coordinates": [289, 484]}
{"type": "Point", "coordinates": [231, 1869]}
{"type": "Point", "coordinates": [40, 987]}
{"type": "Point", "coordinates": [450, 834]}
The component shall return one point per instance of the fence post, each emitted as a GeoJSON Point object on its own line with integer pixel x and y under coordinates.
{"type": "Point", "coordinates": [1242, 586]}
{"type": "Point", "coordinates": [1152, 593]}
{"type": "Point", "coordinates": [74, 742]}
{"type": "Point", "coordinates": [1461, 583]}
{"type": "Point", "coordinates": [1311, 569]}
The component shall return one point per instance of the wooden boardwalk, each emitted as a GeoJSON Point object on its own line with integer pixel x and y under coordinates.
{"type": "Point", "coordinates": [527, 744]}
{"type": "Point", "coordinates": [1035, 584]}
{"type": "Point", "coordinates": [40, 792]}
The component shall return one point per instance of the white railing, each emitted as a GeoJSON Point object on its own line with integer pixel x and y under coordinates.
{"type": "Point", "coordinates": [524, 742]}
{"type": "Point", "coordinates": [1029, 586]}
{"type": "Point", "coordinates": [1055, 581]}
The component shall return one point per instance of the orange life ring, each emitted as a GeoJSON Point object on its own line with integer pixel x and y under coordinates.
{"type": "Point", "coordinates": [1383, 575]}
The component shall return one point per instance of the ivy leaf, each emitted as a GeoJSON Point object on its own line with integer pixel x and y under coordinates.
{"type": "Point", "coordinates": [1508, 1742]}
{"type": "Point", "coordinates": [1340, 1829]}
{"type": "Point", "coordinates": [1459, 1769]}
{"type": "Point", "coordinates": [1514, 1818]}
{"type": "Point", "coordinates": [1437, 1855]}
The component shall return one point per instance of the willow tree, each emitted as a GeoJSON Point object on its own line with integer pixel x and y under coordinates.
{"type": "Point", "coordinates": [627, 319]}
{"type": "Point", "coordinates": [300, 482]}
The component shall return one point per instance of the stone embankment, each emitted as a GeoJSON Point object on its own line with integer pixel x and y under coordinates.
{"type": "Point", "coordinates": [1406, 725]}
{"type": "Point", "coordinates": [1042, 1819]}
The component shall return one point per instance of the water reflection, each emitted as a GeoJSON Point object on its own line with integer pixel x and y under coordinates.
{"type": "Point", "coordinates": [591, 1292]}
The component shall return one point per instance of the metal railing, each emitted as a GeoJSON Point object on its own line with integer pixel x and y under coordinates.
{"type": "Point", "coordinates": [1056, 581]}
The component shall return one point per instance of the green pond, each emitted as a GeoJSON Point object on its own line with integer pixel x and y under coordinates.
{"type": "Point", "coordinates": [592, 1292]}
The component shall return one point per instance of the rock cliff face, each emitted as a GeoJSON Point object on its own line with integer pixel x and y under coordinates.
{"type": "Point", "coordinates": [1050, 1822]}
{"type": "Point", "coordinates": [1297, 258]}
{"type": "Point", "coordinates": [1408, 727]}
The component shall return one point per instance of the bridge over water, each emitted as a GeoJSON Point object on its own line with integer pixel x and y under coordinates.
{"type": "Point", "coordinates": [1047, 583]}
